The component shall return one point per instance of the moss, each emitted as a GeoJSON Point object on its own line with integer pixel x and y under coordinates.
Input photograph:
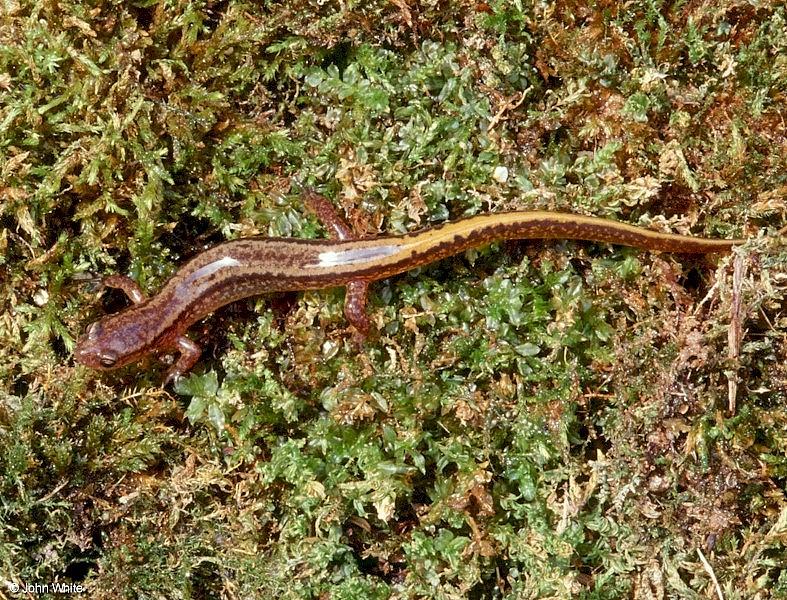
{"type": "Point", "coordinates": [529, 420]}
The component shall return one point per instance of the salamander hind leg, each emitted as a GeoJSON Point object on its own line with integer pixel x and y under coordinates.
{"type": "Point", "coordinates": [355, 307]}
{"type": "Point", "coordinates": [358, 290]}
{"type": "Point", "coordinates": [337, 228]}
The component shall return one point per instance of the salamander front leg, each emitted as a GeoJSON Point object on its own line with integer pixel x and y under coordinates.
{"type": "Point", "coordinates": [189, 355]}
{"type": "Point", "coordinates": [358, 290]}
{"type": "Point", "coordinates": [129, 286]}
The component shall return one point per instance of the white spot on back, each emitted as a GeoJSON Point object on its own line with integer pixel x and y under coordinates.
{"type": "Point", "coordinates": [354, 256]}
{"type": "Point", "coordinates": [210, 269]}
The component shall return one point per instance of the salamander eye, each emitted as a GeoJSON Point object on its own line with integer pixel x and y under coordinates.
{"type": "Point", "coordinates": [108, 359]}
{"type": "Point", "coordinates": [93, 330]}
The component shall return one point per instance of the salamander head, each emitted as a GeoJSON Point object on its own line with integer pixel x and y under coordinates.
{"type": "Point", "coordinates": [112, 342]}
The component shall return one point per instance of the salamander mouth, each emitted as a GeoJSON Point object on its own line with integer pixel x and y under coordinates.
{"type": "Point", "coordinates": [94, 358]}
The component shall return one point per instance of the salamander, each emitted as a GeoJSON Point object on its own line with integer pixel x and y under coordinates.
{"type": "Point", "coordinates": [247, 267]}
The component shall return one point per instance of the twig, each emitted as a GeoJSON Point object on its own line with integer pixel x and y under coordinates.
{"type": "Point", "coordinates": [711, 574]}
{"type": "Point", "coordinates": [509, 105]}
{"type": "Point", "coordinates": [735, 331]}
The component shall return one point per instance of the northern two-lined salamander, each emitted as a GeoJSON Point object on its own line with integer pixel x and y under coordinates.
{"type": "Point", "coordinates": [248, 267]}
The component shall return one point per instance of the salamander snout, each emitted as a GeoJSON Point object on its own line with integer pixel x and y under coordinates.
{"type": "Point", "coordinates": [106, 345]}
{"type": "Point", "coordinates": [93, 349]}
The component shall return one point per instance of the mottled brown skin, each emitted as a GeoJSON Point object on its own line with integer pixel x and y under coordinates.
{"type": "Point", "coordinates": [249, 267]}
